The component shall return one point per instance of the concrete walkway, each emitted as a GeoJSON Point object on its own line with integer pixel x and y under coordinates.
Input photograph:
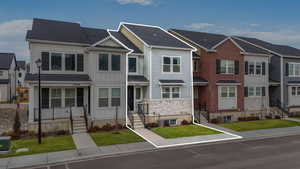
{"type": "Point", "coordinates": [72, 155]}
{"type": "Point", "coordinates": [161, 142]}
{"type": "Point", "coordinates": [83, 140]}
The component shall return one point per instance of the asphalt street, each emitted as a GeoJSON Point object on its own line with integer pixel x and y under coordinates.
{"type": "Point", "coordinates": [271, 153]}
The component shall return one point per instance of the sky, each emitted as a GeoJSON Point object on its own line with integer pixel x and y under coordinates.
{"type": "Point", "coordinates": [275, 21]}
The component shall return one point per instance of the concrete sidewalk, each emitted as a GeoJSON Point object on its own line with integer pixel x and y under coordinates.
{"type": "Point", "coordinates": [70, 155]}
{"type": "Point", "coordinates": [83, 140]}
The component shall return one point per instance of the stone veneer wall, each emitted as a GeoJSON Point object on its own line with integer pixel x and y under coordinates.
{"type": "Point", "coordinates": [169, 106]}
{"type": "Point", "coordinates": [50, 125]}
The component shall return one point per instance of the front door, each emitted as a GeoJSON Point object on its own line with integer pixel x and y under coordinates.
{"type": "Point", "coordinates": [130, 98]}
{"type": "Point", "coordinates": [138, 97]}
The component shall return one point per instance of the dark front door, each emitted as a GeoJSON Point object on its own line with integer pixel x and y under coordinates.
{"type": "Point", "coordinates": [130, 98]}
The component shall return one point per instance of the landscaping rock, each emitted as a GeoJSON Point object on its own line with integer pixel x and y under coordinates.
{"type": "Point", "coordinates": [22, 150]}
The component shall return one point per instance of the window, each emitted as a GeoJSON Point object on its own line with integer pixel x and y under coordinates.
{"type": "Point", "coordinates": [103, 97]}
{"type": "Point", "coordinates": [70, 62]}
{"type": "Point", "coordinates": [227, 91]}
{"type": "Point", "coordinates": [173, 122]}
{"type": "Point", "coordinates": [251, 68]}
{"type": "Point", "coordinates": [45, 60]}
{"type": "Point", "coordinates": [56, 61]}
{"type": "Point", "coordinates": [132, 65]}
{"type": "Point", "coordinates": [80, 63]}
{"type": "Point", "coordinates": [115, 62]}
{"type": "Point", "coordinates": [1, 73]}
{"type": "Point", "coordinates": [251, 91]}
{"type": "Point", "coordinates": [171, 64]}
{"type": "Point", "coordinates": [258, 68]}
{"type": "Point", "coordinates": [56, 97]}
{"type": "Point", "coordinates": [69, 97]}
{"type": "Point", "coordinates": [227, 67]}
{"type": "Point", "coordinates": [19, 74]}
{"type": "Point", "coordinates": [170, 92]}
{"type": "Point", "coordinates": [295, 91]}
{"type": "Point", "coordinates": [294, 69]}
{"type": "Point", "coordinates": [196, 65]}
{"type": "Point", "coordinates": [115, 97]}
{"type": "Point", "coordinates": [258, 91]}
{"type": "Point", "coordinates": [255, 91]}
{"type": "Point", "coordinates": [103, 62]}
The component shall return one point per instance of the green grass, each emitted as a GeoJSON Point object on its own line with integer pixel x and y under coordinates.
{"type": "Point", "coordinates": [111, 138]}
{"type": "Point", "coordinates": [260, 124]}
{"type": "Point", "coordinates": [183, 131]}
{"type": "Point", "coordinates": [49, 144]}
{"type": "Point", "coordinates": [298, 118]}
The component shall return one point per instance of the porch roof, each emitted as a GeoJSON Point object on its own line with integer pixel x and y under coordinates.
{"type": "Point", "coordinates": [4, 81]}
{"type": "Point", "coordinates": [199, 81]}
{"type": "Point", "coordinates": [58, 77]}
{"type": "Point", "coordinates": [228, 82]}
{"type": "Point", "coordinates": [171, 82]}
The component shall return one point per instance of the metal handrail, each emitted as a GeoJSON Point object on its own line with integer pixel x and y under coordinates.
{"type": "Point", "coordinates": [85, 116]}
{"type": "Point", "coordinates": [141, 112]}
{"type": "Point", "coordinates": [130, 117]}
{"type": "Point", "coordinates": [71, 120]}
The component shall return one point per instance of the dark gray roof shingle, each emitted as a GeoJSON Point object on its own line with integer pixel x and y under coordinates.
{"type": "Point", "coordinates": [94, 35]}
{"type": "Point", "coordinates": [58, 77]}
{"type": "Point", "coordinates": [206, 40]}
{"type": "Point", "coordinates": [4, 81]}
{"type": "Point", "coordinates": [199, 80]}
{"type": "Point", "coordinates": [227, 81]}
{"type": "Point", "coordinates": [170, 81]}
{"type": "Point", "coordinates": [58, 31]}
{"type": "Point", "coordinates": [137, 78]}
{"type": "Point", "coordinates": [249, 48]}
{"type": "Point", "coordinates": [6, 60]}
{"type": "Point", "coordinates": [154, 36]}
{"type": "Point", "coordinates": [21, 64]}
{"type": "Point", "coordinates": [125, 41]}
{"type": "Point", "coordinates": [280, 49]}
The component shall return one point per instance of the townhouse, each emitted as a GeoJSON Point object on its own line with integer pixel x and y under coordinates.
{"type": "Point", "coordinates": [159, 74]}
{"type": "Point", "coordinates": [85, 70]}
{"type": "Point", "coordinates": [230, 76]}
{"type": "Point", "coordinates": [7, 77]}
{"type": "Point", "coordinates": [83, 73]}
{"type": "Point", "coordinates": [284, 74]}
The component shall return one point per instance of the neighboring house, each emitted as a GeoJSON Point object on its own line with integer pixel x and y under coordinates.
{"type": "Point", "coordinates": [230, 76]}
{"type": "Point", "coordinates": [284, 73]}
{"type": "Point", "coordinates": [81, 67]}
{"type": "Point", "coordinates": [21, 72]}
{"type": "Point", "coordinates": [7, 77]}
{"type": "Point", "coordinates": [159, 74]}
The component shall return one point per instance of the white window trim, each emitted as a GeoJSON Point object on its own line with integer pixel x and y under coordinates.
{"type": "Point", "coordinates": [171, 92]}
{"type": "Point", "coordinates": [63, 61]}
{"type": "Point", "coordinates": [227, 67]}
{"type": "Point", "coordinates": [75, 96]}
{"type": "Point", "coordinates": [63, 97]}
{"type": "Point", "coordinates": [228, 91]}
{"type": "Point", "coordinates": [137, 65]}
{"type": "Point", "coordinates": [254, 91]}
{"type": "Point", "coordinates": [109, 62]}
{"type": "Point", "coordinates": [109, 97]}
{"type": "Point", "coordinates": [294, 72]}
{"type": "Point", "coordinates": [296, 91]}
{"type": "Point", "coordinates": [255, 63]}
{"type": "Point", "coordinates": [115, 97]}
{"type": "Point", "coordinates": [171, 65]}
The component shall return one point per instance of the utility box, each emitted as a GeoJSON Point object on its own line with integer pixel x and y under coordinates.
{"type": "Point", "coordinates": [5, 145]}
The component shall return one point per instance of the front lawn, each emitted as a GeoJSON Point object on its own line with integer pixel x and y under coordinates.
{"type": "Point", "coordinates": [183, 131]}
{"type": "Point", "coordinates": [259, 124]}
{"type": "Point", "coordinates": [106, 138]}
{"type": "Point", "coordinates": [49, 144]}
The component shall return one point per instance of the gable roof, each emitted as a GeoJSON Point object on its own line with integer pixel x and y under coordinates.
{"type": "Point", "coordinates": [250, 48]}
{"type": "Point", "coordinates": [155, 36]}
{"type": "Point", "coordinates": [94, 35]}
{"type": "Point", "coordinates": [278, 49]}
{"type": "Point", "coordinates": [119, 36]}
{"type": "Point", "coordinates": [21, 64]}
{"type": "Point", "coordinates": [6, 60]}
{"type": "Point", "coordinates": [58, 31]}
{"type": "Point", "coordinates": [202, 39]}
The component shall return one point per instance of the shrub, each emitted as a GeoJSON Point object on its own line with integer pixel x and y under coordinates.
{"type": "Point", "coordinates": [61, 132]}
{"type": "Point", "coordinates": [250, 118]}
{"type": "Point", "coordinates": [17, 123]}
{"type": "Point", "coordinates": [277, 117]}
{"type": "Point", "coordinates": [94, 129]}
{"type": "Point", "coordinates": [151, 125]}
{"type": "Point", "coordinates": [107, 127]}
{"type": "Point", "coordinates": [268, 117]}
{"type": "Point", "coordinates": [13, 135]}
{"type": "Point", "coordinates": [215, 121]}
{"type": "Point", "coordinates": [31, 133]}
{"type": "Point", "coordinates": [185, 122]}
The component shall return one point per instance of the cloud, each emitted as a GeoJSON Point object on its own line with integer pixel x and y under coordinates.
{"type": "Point", "coordinates": [12, 39]}
{"type": "Point", "coordinates": [141, 2]}
{"type": "Point", "coordinates": [200, 25]}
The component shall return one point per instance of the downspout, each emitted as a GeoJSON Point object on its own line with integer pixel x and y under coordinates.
{"type": "Point", "coordinates": [281, 81]}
